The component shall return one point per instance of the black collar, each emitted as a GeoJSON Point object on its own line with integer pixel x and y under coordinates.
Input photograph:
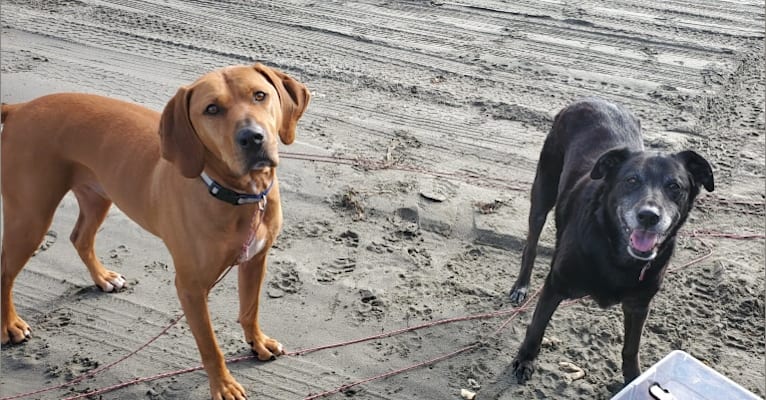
{"type": "Point", "coordinates": [232, 197]}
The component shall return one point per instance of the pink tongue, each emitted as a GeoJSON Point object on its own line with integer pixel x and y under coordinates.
{"type": "Point", "coordinates": [643, 241]}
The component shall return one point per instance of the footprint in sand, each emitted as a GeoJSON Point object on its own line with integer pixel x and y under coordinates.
{"type": "Point", "coordinates": [117, 254]}
{"type": "Point", "coordinates": [349, 238]}
{"type": "Point", "coordinates": [285, 280]}
{"type": "Point", "coordinates": [312, 229]}
{"type": "Point", "coordinates": [380, 248]}
{"type": "Point", "coordinates": [370, 305]}
{"type": "Point", "coordinates": [421, 257]}
{"type": "Point", "coordinates": [329, 272]}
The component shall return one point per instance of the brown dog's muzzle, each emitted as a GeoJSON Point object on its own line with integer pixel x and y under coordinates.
{"type": "Point", "coordinates": [256, 147]}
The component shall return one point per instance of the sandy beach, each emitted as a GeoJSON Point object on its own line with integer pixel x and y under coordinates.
{"type": "Point", "coordinates": [406, 193]}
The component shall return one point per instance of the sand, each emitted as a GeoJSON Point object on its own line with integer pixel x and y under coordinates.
{"type": "Point", "coordinates": [457, 97]}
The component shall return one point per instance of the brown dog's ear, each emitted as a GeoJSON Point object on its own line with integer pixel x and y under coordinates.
{"type": "Point", "coordinates": [699, 169]}
{"type": "Point", "coordinates": [608, 162]}
{"type": "Point", "coordinates": [293, 96]}
{"type": "Point", "coordinates": [180, 144]}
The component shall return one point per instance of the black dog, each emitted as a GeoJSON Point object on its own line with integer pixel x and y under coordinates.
{"type": "Point", "coordinates": [618, 209]}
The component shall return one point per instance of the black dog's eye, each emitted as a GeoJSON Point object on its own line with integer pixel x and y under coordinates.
{"type": "Point", "coordinates": [259, 96]}
{"type": "Point", "coordinates": [674, 187]}
{"type": "Point", "coordinates": [212, 109]}
{"type": "Point", "coordinates": [632, 180]}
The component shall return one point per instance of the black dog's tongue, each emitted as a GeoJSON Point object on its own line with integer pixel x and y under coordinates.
{"type": "Point", "coordinates": [643, 241]}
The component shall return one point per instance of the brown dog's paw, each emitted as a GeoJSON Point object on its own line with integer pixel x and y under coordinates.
{"type": "Point", "coordinates": [110, 281]}
{"type": "Point", "coordinates": [16, 331]}
{"type": "Point", "coordinates": [266, 348]}
{"type": "Point", "coordinates": [523, 370]}
{"type": "Point", "coordinates": [226, 388]}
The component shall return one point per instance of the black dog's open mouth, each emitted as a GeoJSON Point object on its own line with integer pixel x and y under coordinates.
{"type": "Point", "coordinates": [643, 244]}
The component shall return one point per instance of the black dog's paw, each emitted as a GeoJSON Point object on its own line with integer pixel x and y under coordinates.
{"type": "Point", "coordinates": [523, 370]}
{"type": "Point", "coordinates": [615, 387]}
{"type": "Point", "coordinates": [518, 295]}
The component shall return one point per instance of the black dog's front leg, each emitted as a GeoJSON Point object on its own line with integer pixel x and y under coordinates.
{"type": "Point", "coordinates": [635, 316]}
{"type": "Point", "coordinates": [523, 364]}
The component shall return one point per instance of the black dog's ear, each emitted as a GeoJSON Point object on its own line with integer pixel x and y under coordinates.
{"type": "Point", "coordinates": [608, 162]}
{"type": "Point", "coordinates": [698, 168]}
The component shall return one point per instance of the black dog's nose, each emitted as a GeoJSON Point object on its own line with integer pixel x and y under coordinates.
{"type": "Point", "coordinates": [250, 137]}
{"type": "Point", "coordinates": [648, 217]}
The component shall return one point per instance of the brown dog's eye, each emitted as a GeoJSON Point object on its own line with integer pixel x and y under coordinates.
{"type": "Point", "coordinates": [212, 109]}
{"type": "Point", "coordinates": [259, 96]}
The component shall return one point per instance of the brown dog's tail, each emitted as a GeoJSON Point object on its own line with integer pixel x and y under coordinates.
{"type": "Point", "coordinates": [7, 109]}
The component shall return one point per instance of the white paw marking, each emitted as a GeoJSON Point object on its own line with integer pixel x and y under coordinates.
{"type": "Point", "coordinates": [118, 283]}
{"type": "Point", "coordinates": [108, 287]}
{"type": "Point", "coordinates": [280, 350]}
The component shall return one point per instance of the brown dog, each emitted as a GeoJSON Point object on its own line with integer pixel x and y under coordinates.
{"type": "Point", "coordinates": [223, 128]}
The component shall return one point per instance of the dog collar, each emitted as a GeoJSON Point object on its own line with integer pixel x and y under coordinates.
{"type": "Point", "coordinates": [230, 196]}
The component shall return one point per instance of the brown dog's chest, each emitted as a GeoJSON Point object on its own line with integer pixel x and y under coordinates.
{"type": "Point", "coordinates": [255, 238]}
{"type": "Point", "coordinates": [256, 232]}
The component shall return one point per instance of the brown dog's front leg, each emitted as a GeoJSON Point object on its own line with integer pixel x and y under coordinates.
{"type": "Point", "coordinates": [194, 302]}
{"type": "Point", "coordinates": [523, 364]}
{"type": "Point", "coordinates": [251, 277]}
{"type": "Point", "coordinates": [635, 317]}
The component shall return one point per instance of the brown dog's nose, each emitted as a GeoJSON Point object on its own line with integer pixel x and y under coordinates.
{"type": "Point", "coordinates": [250, 137]}
{"type": "Point", "coordinates": [648, 217]}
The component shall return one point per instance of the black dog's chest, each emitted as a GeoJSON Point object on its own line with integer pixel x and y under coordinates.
{"type": "Point", "coordinates": [602, 278]}
{"type": "Point", "coordinates": [605, 292]}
